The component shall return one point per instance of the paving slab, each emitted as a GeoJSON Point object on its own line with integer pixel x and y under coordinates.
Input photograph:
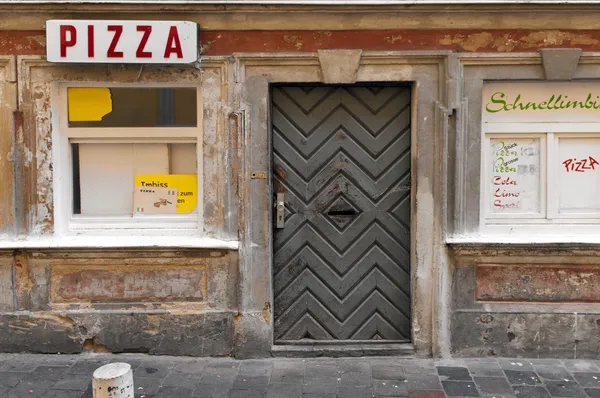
{"type": "Point", "coordinates": [278, 390]}
{"type": "Point", "coordinates": [424, 382]}
{"type": "Point", "coordinates": [454, 373]}
{"type": "Point", "coordinates": [211, 390]}
{"type": "Point", "coordinates": [493, 385]}
{"type": "Point", "coordinates": [181, 380]}
{"type": "Point", "coordinates": [553, 372]}
{"type": "Point", "coordinates": [581, 365]}
{"type": "Point", "coordinates": [388, 372]}
{"type": "Point", "coordinates": [593, 392]}
{"type": "Point", "coordinates": [526, 377]}
{"type": "Point", "coordinates": [587, 379]}
{"type": "Point", "coordinates": [390, 388]}
{"type": "Point", "coordinates": [460, 389]}
{"type": "Point", "coordinates": [320, 385]}
{"type": "Point", "coordinates": [355, 392]}
{"type": "Point", "coordinates": [173, 392]}
{"type": "Point", "coordinates": [531, 392]}
{"type": "Point", "coordinates": [565, 389]}
{"type": "Point", "coordinates": [490, 369]}
{"type": "Point", "coordinates": [245, 382]}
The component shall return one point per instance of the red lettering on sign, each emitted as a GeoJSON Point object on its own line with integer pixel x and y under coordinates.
{"type": "Point", "coordinates": [511, 205]}
{"type": "Point", "coordinates": [501, 193]}
{"type": "Point", "coordinates": [580, 166]}
{"type": "Point", "coordinates": [173, 43]}
{"type": "Point", "coordinates": [64, 43]}
{"type": "Point", "coordinates": [140, 53]}
{"type": "Point", "coordinates": [112, 53]}
{"type": "Point", "coordinates": [90, 41]}
{"type": "Point", "coordinates": [504, 181]}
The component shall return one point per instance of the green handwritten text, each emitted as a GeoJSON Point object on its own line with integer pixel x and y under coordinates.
{"type": "Point", "coordinates": [499, 102]}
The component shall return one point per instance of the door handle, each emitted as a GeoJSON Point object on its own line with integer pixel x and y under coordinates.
{"type": "Point", "coordinates": [280, 211]}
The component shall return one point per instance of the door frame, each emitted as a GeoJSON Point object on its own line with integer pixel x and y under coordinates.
{"type": "Point", "coordinates": [428, 74]}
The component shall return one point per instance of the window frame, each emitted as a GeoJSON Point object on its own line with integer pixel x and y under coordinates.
{"type": "Point", "coordinates": [555, 223]}
{"type": "Point", "coordinates": [67, 223]}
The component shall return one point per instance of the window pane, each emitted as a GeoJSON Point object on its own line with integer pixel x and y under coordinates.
{"type": "Point", "coordinates": [514, 176]}
{"type": "Point", "coordinates": [579, 175]}
{"type": "Point", "coordinates": [132, 107]}
{"type": "Point", "coordinates": [106, 178]}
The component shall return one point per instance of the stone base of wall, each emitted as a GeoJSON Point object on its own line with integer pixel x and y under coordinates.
{"type": "Point", "coordinates": [529, 335]}
{"type": "Point", "coordinates": [201, 334]}
{"type": "Point", "coordinates": [164, 302]}
{"type": "Point", "coordinates": [526, 302]}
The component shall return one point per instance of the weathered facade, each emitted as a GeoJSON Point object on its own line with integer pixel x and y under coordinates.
{"type": "Point", "coordinates": [384, 241]}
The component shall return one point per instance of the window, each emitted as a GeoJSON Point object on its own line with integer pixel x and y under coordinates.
{"type": "Point", "coordinates": [540, 158]}
{"type": "Point", "coordinates": [127, 159]}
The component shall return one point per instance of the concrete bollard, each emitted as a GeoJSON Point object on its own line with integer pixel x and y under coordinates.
{"type": "Point", "coordinates": [114, 380]}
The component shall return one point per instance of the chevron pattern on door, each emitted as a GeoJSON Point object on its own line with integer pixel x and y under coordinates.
{"type": "Point", "coordinates": [341, 268]}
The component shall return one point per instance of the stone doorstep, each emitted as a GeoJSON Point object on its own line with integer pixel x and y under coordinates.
{"type": "Point", "coordinates": [343, 351]}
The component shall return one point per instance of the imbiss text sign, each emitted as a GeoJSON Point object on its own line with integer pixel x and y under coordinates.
{"type": "Point", "coordinates": [95, 41]}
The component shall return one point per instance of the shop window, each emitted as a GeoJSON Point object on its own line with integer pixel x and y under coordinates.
{"type": "Point", "coordinates": [541, 158]}
{"type": "Point", "coordinates": [129, 159]}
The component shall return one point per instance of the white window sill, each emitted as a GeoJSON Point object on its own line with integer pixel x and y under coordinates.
{"type": "Point", "coordinates": [524, 240]}
{"type": "Point", "coordinates": [100, 242]}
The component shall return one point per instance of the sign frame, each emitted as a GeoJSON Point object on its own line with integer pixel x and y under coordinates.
{"type": "Point", "coordinates": [122, 41]}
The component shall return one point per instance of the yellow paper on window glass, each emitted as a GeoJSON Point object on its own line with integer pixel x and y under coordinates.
{"type": "Point", "coordinates": [186, 184]}
{"type": "Point", "coordinates": [88, 104]}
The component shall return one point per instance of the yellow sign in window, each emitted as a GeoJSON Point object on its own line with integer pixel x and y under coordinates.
{"type": "Point", "coordinates": [186, 185]}
{"type": "Point", "coordinates": [88, 104]}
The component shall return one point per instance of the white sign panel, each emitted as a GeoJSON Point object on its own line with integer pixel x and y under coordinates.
{"type": "Point", "coordinates": [541, 102]}
{"type": "Point", "coordinates": [513, 175]}
{"type": "Point", "coordinates": [579, 174]}
{"type": "Point", "coordinates": [144, 42]}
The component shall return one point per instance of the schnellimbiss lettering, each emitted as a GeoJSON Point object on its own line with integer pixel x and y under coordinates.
{"type": "Point", "coordinates": [96, 41]}
{"type": "Point", "coordinates": [499, 102]}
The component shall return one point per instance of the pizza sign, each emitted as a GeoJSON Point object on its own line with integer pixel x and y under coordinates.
{"type": "Point", "coordinates": [96, 41]}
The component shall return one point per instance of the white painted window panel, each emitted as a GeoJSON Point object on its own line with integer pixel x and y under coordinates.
{"type": "Point", "coordinates": [578, 176]}
{"type": "Point", "coordinates": [513, 176]}
{"type": "Point", "coordinates": [107, 174]}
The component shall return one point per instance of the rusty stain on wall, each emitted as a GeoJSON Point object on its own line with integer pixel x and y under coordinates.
{"type": "Point", "coordinates": [537, 282]}
{"type": "Point", "coordinates": [22, 42]}
{"type": "Point", "coordinates": [227, 42]}
{"type": "Point", "coordinates": [222, 42]}
{"type": "Point", "coordinates": [24, 282]}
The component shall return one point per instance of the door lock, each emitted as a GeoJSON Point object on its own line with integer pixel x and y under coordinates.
{"type": "Point", "coordinates": [280, 211]}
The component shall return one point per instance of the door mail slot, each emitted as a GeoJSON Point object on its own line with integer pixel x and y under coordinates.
{"type": "Point", "coordinates": [341, 212]}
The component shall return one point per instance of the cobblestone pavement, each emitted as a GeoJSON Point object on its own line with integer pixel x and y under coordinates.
{"type": "Point", "coordinates": [69, 376]}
